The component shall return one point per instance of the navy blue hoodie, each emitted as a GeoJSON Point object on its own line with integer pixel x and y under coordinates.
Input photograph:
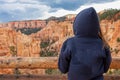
{"type": "Point", "coordinates": [83, 56]}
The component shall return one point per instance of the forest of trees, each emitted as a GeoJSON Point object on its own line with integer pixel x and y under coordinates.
{"type": "Point", "coordinates": [28, 31]}
{"type": "Point", "coordinates": [109, 14]}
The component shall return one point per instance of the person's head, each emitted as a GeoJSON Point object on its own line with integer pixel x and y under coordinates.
{"type": "Point", "coordinates": [86, 24]}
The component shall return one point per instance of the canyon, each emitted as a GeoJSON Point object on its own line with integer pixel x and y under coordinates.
{"type": "Point", "coordinates": [48, 40]}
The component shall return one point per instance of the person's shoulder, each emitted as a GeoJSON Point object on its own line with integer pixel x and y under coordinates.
{"type": "Point", "coordinates": [70, 39]}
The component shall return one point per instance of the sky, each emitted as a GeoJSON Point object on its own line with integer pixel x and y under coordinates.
{"type": "Point", "coordinates": [17, 10]}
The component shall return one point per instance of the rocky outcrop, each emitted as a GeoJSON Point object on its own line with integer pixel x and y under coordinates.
{"type": "Point", "coordinates": [25, 24]}
{"type": "Point", "coordinates": [54, 33]}
{"type": "Point", "coordinates": [23, 44]}
{"type": "Point", "coordinates": [27, 46]}
{"type": "Point", "coordinates": [111, 31]}
{"type": "Point", "coordinates": [70, 17]}
{"type": "Point", "coordinates": [14, 43]}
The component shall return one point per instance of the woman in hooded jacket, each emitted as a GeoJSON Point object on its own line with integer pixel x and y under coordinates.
{"type": "Point", "coordinates": [86, 56]}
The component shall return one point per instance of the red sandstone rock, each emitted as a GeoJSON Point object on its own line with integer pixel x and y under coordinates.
{"type": "Point", "coordinates": [14, 43]}
{"type": "Point", "coordinates": [25, 24]}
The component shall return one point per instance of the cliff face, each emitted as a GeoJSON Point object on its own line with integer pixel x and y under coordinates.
{"type": "Point", "coordinates": [14, 43]}
{"type": "Point", "coordinates": [111, 30]}
{"type": "Point", "coordinates": [7, 38]}
{"type": "Point", "coordinates": [25, 24]}
{"type": "Point", "coordinates": [22, 44]}
{"type": "Point", "coordinates": [54, 34]}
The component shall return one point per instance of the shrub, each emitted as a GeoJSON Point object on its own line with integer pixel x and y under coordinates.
{"type": "Point", "coordinates": [116, 51]}
{"type": "Point", "coordinates": [118, 39]}
{"type": "Point", "coordinates": [44, 44]}
{"type": "Point", "coordinates": [13, 50]}
{"type": "Point", "coordinates": [16, 71]}
{"type": "Point", "coordinates": [52, 71]}
{"type": "Point", "coordinates": [48, 53]}
{"type": "Point", "coordinates": [114, 71]}
{"type": "Point", "coordinates": [28, 31]}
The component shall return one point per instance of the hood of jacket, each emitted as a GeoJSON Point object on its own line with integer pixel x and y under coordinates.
{"type": "Point", "coordinates": [86, 24]}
